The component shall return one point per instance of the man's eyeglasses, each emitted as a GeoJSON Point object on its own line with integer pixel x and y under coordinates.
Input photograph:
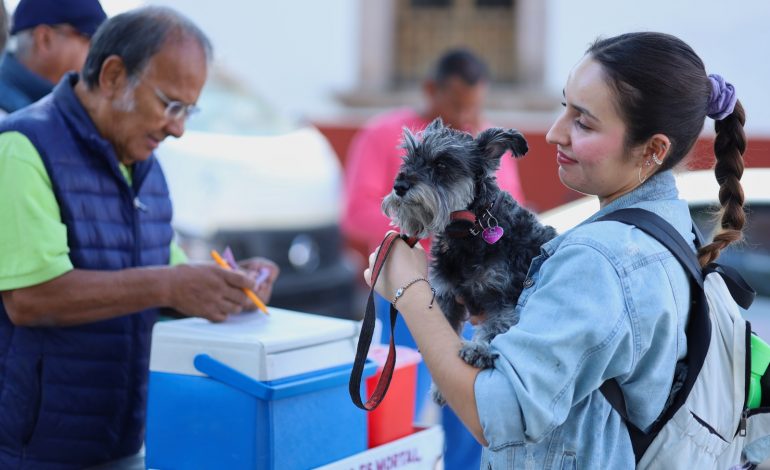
{"type": "Point", "coordinates": [176, 109]}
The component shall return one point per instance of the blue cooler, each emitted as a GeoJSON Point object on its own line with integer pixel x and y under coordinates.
{"type": "Point", "coordinates": [254, 392]}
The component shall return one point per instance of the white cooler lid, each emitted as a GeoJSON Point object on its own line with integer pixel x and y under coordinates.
{"type": "Point", "coordinates": [264, 347]}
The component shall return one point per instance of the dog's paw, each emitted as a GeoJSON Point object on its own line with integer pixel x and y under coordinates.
{"type": "Point", "coordinates": [436, 395]}
{"type": "Point", "coordinates": [478, 354]}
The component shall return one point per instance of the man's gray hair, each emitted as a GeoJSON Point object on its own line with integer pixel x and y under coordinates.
{"type": "Point", "coordinates": [136, 36]}
{"type": "Point", "coordinates": [21, 44]}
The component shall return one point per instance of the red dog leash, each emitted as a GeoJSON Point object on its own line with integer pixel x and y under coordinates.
{"type": "Point", "coordinates": [367, 331]}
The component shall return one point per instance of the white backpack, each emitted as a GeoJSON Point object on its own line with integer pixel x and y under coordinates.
{"type": "Point", "coordinates": [707, 424]}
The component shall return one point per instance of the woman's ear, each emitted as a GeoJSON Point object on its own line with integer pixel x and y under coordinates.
{"type": "Point", "coordinates": [658, 148]}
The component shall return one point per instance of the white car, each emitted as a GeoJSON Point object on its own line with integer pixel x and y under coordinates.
{"type": "Point", "coordinates": [700, 189]}
{"type": "Point", "coordinates": [246, 177]}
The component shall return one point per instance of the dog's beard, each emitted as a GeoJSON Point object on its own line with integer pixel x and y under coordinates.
{"type": "Point", "coordinates": [424, 210]}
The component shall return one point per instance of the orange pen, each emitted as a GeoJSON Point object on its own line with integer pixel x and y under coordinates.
{"type": "Point", "coordinates": [222, 263]}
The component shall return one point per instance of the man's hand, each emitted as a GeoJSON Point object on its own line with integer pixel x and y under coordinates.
{"type": "Point", "coordinates": [264, 273]}
{"type": "Point", "coordinates": [208, 291]}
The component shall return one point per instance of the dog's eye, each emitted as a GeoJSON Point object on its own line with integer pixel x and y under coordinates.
{"type": "Point", "coordinates": [441, 166]}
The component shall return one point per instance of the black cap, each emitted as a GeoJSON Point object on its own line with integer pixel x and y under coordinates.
{"type": "Point", "coordinates": [84, 15]}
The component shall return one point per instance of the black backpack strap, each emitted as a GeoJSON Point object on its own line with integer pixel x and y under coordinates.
{"type": "Point", "coordinates": [700, 240]}
{"type": "Point", "coordinates": [640, 440]}
{"type": "Point", "coordinates": [656, 227]}
{"type": "Point", "coordinates": [698, 330]}
{"type": "Point", "coordinates": [740, 290]}
{"type": "Point", "coordinates": [612, 392]}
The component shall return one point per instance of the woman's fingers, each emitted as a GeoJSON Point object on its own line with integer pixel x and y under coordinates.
{"type": "Point", "coordinates": [403, 264]}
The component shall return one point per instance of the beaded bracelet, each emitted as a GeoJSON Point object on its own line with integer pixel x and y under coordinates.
{"type": "Point", "coordinates": [401, 290]}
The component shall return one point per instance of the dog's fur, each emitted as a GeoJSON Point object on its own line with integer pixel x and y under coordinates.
{"type": "Point", "coordinates": [444, 171]}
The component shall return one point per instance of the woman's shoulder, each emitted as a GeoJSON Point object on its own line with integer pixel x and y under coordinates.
{"type": "Point", "coordinates": [604, 238]}
{"type": "Point", "coordinates": [621, 241]}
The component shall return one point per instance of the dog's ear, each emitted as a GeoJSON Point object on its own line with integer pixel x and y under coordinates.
{"type": "Point", "coordinates": [409, 141]}
{"type": "Point", "coordinates": [494, 142]}
{"type": "Point", "coordinates": [437, 124]}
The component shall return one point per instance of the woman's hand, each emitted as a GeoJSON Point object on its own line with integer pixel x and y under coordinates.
{"type": "Point", "coordinates": [403, 265]}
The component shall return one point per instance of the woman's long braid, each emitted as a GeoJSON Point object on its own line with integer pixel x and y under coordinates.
{"type": "Point", "coordinates": [729, 147]}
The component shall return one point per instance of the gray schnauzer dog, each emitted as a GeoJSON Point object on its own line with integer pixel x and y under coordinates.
{"type": "Point", "coordinates": [483, 240]}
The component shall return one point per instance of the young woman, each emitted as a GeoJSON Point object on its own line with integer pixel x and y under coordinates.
{"type": "Point", "coordinates": [603, 300]}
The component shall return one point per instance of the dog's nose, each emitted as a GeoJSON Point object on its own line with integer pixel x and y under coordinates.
{"type": "Point", "coordinates": [401, 186]}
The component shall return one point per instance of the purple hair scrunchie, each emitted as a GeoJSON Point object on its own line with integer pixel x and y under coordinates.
{"type": "Point", "coordinates": [723, 98]}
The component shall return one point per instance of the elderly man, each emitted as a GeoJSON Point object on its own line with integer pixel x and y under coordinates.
{"type": "Point", "coordinates": [50, 38]}
{"type": "Point", "coordinates": [86, 244]}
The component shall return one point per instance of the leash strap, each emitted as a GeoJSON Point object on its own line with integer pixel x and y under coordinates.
{"type": "Point", "coordinates": [367, 332]}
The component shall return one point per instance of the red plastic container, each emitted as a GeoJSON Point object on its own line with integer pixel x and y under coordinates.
{"type": "Point", "coordinates": [394, 417]}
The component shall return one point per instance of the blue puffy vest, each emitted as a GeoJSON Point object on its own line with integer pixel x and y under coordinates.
{"type": "Point", "coordinates": [76, 396]}
{"type": "Point", "coordinates": [19, 86]}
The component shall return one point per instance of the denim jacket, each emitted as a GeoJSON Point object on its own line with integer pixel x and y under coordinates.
{"type": "Point", "coordinates": [601, 301]}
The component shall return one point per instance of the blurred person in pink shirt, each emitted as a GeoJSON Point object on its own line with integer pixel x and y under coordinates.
{"type": "Point", "coordinates": [454, 91]}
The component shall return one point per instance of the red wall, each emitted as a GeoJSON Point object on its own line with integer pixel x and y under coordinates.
{"type": "Point", "coordinates": [538, 169]}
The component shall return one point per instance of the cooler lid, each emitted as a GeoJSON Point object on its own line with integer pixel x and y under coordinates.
{"type": "Point", "coordinates": [265, 347]}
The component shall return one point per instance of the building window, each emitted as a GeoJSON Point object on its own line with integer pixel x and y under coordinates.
{"type": "Point", "coordinates": [487, 27]}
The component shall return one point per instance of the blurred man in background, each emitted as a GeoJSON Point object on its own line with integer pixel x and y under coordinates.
{"type": "Point", "coordinates": [48, 39]}
{"type": "Point", "coordinates": [455, 91]}
{"type": "Point", "coordinates": [86, 245]}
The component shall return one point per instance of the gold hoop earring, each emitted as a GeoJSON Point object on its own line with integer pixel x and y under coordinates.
{"type": "Point", "coordinates": [642, 180]}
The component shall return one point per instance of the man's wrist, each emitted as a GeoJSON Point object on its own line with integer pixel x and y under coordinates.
{"type": "Point", "coordinates": [162, 277]}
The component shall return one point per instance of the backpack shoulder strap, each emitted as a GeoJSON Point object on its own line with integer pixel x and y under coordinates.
{"type": "Point", "coordinates": [698, 331]}
{"type": "Point", "coordinates": [657, 227]}
{"type": "Point", "coordinates": [740, 290]}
